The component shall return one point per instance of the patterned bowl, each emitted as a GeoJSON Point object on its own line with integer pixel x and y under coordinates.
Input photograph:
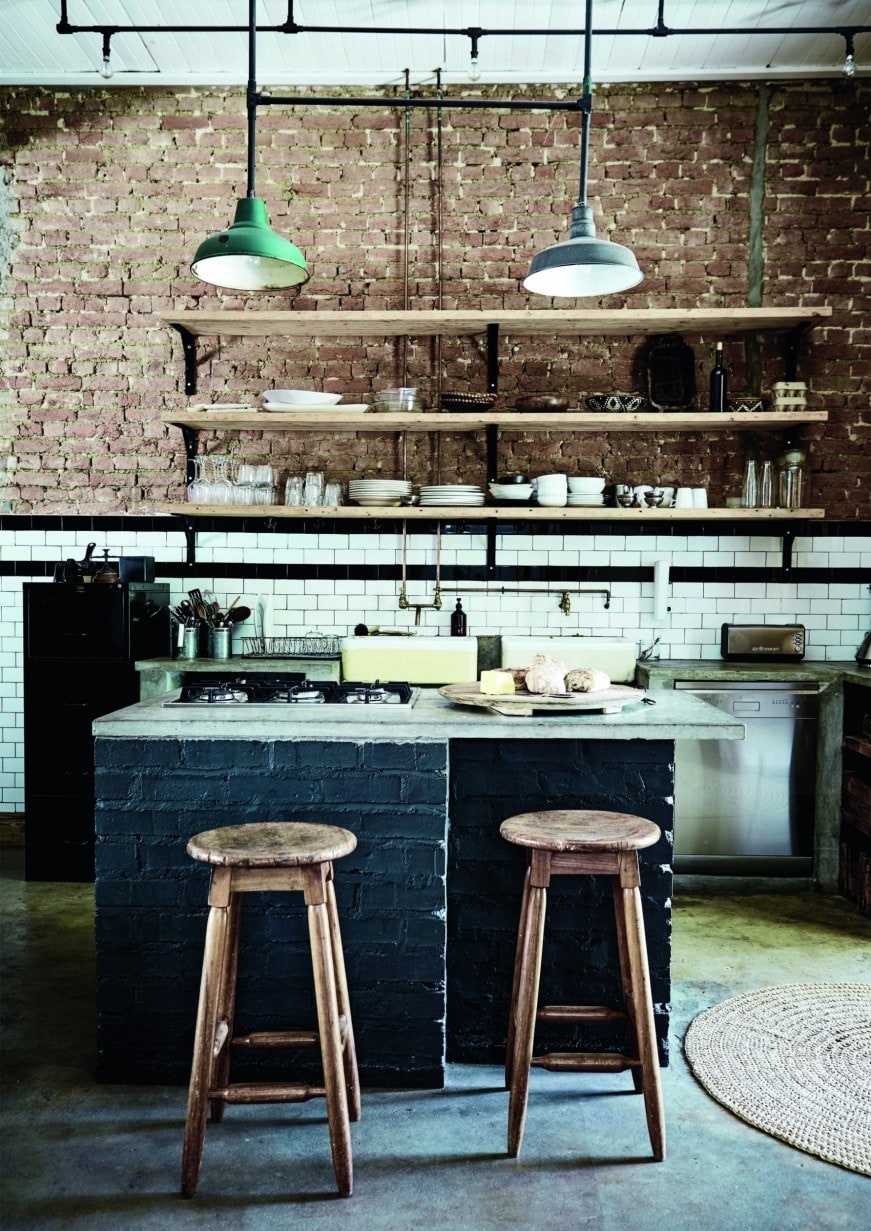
{"type": "Point", "coordinates": [599, 402]}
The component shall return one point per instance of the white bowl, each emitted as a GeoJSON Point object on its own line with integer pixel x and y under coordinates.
{"type": "Point", "coordinates": [301, 397]}
{"type": "Point", "coordinates": [589, 486]}
{"type": "Point", "coordinates": [511, 491]}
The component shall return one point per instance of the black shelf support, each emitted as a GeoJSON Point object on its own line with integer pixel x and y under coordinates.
{"type": "Point", "coordinates": [492, 452]}
{"type": "Point", "coordinates": [491, 549]}
{"type": "Point", "coordinates": [787, 540]}
{"type": "Point", "coordinates": [492, 358]}
{"type": "Point", "coordinates": [189, 347]}
{"type": "Point", "coordinates": [791, 343]}
{"type": "Point", "coordinates": [190, 536]}
{"type": "Point", "coordinates": [190, 436]}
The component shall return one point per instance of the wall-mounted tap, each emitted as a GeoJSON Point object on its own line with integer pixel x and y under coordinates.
{"type": "Point", "coordinates": [565, 603]}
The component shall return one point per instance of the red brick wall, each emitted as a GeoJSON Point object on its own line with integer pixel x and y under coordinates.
{"type": "Point", "coordinates": [111, 191]}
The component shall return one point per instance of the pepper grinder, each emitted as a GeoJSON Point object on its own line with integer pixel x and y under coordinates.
{"type": "Point", "coordinates": [459, 622]}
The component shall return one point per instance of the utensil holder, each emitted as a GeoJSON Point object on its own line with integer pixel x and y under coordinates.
{"type": "Point", "coordinates": [218, 642]}
{"type": "Point", "coordinates": [190, 646]}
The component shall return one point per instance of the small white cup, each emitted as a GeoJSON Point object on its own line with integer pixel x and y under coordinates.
{"type": "Point", "coordinates": [667, 497]}
{"type": "Point", "coordinates": [700, 497]}
{"type": "Point", "coordinates": [683, 498]}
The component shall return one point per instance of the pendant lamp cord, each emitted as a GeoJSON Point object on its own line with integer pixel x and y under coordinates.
{"type": "Point", "coordinates": [251, 94]}
{"type": "Point", "coordinates": [586, 103]}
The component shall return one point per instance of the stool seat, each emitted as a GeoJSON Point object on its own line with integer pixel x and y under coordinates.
{"type": "Point", "coordinates": [580, 832]}
{"type": "Point", "coordinates": [582, 843]}
{"type": "Point", "coordinates": [271, 844]}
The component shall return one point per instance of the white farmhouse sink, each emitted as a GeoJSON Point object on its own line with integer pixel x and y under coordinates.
{"type": "Point", "coordinates": [417, 660]}
{"type": "Point", "coordinates": [613, 655]}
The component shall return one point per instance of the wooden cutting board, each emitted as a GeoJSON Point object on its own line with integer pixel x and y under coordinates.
{"type": "Point", "coordinates": [521, 704]}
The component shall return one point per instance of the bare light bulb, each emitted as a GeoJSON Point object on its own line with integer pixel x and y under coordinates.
{"type": "Point", "coordinates": [106, 68]}
{"type": "Point", "coordinates": [849, 65]}
{"type": "Point", "coordinates": [474, 69]}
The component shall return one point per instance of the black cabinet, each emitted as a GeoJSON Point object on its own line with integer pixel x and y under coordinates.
{"type": "Point", "coordinates": [79, 652]}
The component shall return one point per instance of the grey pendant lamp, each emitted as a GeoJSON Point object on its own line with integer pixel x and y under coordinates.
{"type": "Point", "coordinates": [249, 256]}
{"type": "Point", "coordinates": [582, 264]}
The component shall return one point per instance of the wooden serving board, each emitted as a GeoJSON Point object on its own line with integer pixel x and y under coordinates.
{"type": "Point", "coordinates": [521, 704]}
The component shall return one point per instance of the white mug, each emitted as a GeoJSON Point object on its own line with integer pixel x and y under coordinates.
{"type": "Point", "coordinates": [700, 497]}
{"type": "Point", "coordinates": [683, 498]}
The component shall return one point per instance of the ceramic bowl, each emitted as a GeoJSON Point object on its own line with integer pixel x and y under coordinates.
{"type": "Point", "coordinates": [511, 491]}
{"type": "Point", "coordinates": [513, 478]}
{"type": "Point", "coordinates": [301, 397]}
{"type": "Point", "coordinates": [541, 403]}
{"type": "Point", "coordinates": [625, 402]}
{"type": "Point", "coordinates": [748, 405]}
{"type": "Point", "coordinates": [586, 485]}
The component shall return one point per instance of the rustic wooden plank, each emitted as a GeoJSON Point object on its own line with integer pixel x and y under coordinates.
{"type": "Point", "coordinates": [454, 323]}
{"type": "Point", "coordinates": [350, 512]}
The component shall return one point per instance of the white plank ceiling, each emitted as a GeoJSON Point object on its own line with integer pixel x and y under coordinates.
{"type": "Point", "coordinates": [32, 52]}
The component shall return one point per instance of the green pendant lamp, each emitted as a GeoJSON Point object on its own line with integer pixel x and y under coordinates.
{"type": "Point", "coordinates": [583, 264]}
{"type": "Point", "coordinates": [249, 256]}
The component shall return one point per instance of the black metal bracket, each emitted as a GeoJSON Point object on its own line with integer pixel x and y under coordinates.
{"type": "Point", "coordinates": [190, 436]}
{"type": "Point", "coordinates": [492, 358]}
{"type": "Point", "coordinates": [492, 452]}
{"type": "Point", "coordinates": [787, 540]}
{"type": "Point", "coordinates": [190, 536]}
{"type": "Point", "coordinates": [189, 347]}
{"type": "Point", "coordinates": [490, 564]}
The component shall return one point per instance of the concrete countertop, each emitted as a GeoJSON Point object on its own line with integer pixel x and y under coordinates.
{"type": "Point", "coordinates": [432, 719]}
{"type": "Point", "coordinates": [663, 673]}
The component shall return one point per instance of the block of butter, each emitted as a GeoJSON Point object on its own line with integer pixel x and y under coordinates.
{"type": "Point", "coordinates": [497, 683]}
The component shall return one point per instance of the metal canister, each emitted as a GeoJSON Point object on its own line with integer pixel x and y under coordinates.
{"type": "Point", "coordinates": [218, 641]}
{"type": "Point", "coordinates": [190, 645]}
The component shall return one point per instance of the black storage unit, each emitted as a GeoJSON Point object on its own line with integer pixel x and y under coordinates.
{"type": "Point", "coordinates": [79, 651]}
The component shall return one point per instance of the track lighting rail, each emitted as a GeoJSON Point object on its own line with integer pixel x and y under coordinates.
{"type": "Point", "coordinates": [473, 33]}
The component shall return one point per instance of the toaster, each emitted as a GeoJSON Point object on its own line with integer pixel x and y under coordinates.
{"type": "Point", "coordinates": [764, 643]}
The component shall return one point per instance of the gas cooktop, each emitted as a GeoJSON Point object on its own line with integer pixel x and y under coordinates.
{"type": "Point", "coordinates": [288, 688]}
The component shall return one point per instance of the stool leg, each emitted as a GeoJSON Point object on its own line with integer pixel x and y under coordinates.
{"type": "Point", "coordinates": [227, 1006]}
{"type": "Point", "coordinates": [518, 956]}
{"type": "Point", "coordinates": [626, 983]}
{"type": "Point", "coordinates": [523, 1010]}
{"type": "Point", "coordinates": [204, 1041]}
{"type": "Point", "coordinates": [352, 1077]}
{"type": "Point", "coordinates": [331, 1045]}
{"type": "Point", "coordinates": [642, 1002]}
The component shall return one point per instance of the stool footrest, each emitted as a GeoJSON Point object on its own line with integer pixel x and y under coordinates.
{"type": "Point", "coordinates": [267, 1092]}
{"type": "Point", "coordinates": [579, 1013]}
{"type": "Point", "coordinates": [277, 1038]}
{"type": "Point", "coordinates": [585, 1062]}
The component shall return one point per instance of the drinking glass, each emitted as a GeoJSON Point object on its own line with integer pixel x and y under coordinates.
{"type": "Point", "coordinates": [333, 493]}
{"type": "Point", "coordinates": [293, 490]}
{"type": "Point", "coordinates": [313, 491]}
{"type": "Point", "coordinates": [766, 486]}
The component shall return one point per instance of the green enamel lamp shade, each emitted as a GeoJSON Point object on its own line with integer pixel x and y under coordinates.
{"type": "Point", "coordinates": [249, 256]}
{"type": "Point", "coordinates": [582, 264]}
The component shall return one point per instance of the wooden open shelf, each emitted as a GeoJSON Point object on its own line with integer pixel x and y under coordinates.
{"type": "Point", "coordinates": [490, 513]}
{"type": "Point", "coordinates": [544, 322]}
{"type": "Point", "coordinates": [442, 421]}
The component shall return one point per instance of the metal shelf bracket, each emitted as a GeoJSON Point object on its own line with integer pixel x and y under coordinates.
{"type": "Point", "coordinates": [189, 348]}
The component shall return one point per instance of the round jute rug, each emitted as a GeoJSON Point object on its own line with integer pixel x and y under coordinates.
{"type": "Point", "coordinates": [794, 1061]}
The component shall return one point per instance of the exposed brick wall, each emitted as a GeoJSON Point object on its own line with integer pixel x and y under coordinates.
{"type": "Point", "coordinates": [111, 191]}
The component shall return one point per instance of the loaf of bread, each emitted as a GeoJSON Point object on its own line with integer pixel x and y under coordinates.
{"type": "Point", "coordinates": [519, 676]}
{"type": "Point", "coordinates": [586, 679]}
{"type": "Point", "coordinates": [497, 683]}
{"type": "Point", "coordinates": [546, 675]}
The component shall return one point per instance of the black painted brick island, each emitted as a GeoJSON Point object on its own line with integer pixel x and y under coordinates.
{"type": "Point", "coordinates": [428, 901]}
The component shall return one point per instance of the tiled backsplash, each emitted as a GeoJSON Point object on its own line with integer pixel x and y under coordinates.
{"type": "Point", "coordinates": [332, 581]}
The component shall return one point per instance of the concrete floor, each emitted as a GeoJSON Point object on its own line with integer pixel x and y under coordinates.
{"type": "Point", "coordinates": [79, 1156]}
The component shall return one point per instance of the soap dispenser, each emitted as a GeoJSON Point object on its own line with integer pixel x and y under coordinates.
{"type": "Point", "coordinates": [458, 621]}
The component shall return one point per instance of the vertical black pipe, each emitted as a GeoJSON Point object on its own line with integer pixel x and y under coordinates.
{"type": "Point", "coordinates": [251, 94]}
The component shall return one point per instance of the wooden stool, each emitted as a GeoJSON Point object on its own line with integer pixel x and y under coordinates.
{"type": "Point", "coordinates": [272, 857]}
{"type": "Point", "coordinates": [583, 843]}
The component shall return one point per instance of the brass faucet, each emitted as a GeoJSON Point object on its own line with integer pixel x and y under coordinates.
{"type": "Point", "coordinates": [565, 603]}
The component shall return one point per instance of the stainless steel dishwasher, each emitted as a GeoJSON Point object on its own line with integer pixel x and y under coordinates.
{"type": "Point", "coordinates": [746, 807]}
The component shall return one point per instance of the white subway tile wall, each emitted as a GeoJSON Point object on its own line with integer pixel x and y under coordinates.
{"type": "Point", "coordinates": [836, 616]}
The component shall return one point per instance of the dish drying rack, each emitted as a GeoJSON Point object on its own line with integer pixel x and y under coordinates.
{"type": "Point", "coordinates": [311, 645]}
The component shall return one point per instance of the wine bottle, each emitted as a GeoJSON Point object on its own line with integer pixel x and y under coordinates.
{"type": "Point", "coordinates": [458, 621]}
{"type": "Point", "coordinates": [718, 381]}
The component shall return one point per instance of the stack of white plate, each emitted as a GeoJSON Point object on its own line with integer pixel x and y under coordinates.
{"type": "Point", "coordinates": [457, 494]}
{"type": "Point", "coordinates": [378, 491]}
{"type": "Point", "coordinates": [584, 500]}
